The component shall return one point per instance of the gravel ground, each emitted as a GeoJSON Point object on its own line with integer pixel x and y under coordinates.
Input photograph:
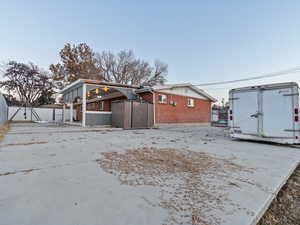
{"type": "Point", "coordinates": [181, 177]}
{"type": "Point", "coordinates": [285, 208]}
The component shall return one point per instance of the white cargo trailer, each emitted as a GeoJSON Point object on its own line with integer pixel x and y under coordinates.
{"type": "Point", "coordinates": [266, 113]}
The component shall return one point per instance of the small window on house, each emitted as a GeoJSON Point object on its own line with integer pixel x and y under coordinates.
{"type": "Point", "coordinates": [162, 99]}
{"type": "Point", "coordinates": [190, 102]}
{"type": "Point", "coordinates": [102, 106]}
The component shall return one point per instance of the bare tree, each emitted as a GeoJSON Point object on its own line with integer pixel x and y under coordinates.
{"type": "Point", "coordinates": [125, 68]}
{"type": "Point", "coordinates": [25, 81]}
{"type": "Point", "coordinates": [158, 74]}
{"type": "Point", "coordinates": [81, 62]}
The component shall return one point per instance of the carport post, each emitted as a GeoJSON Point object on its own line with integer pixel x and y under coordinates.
{"type": "Point", "coordinates": [64, 113]}
{"type": "Point", "coordinates": [71, 112]}
{"type": "Point", "coordinates": [83, 104]}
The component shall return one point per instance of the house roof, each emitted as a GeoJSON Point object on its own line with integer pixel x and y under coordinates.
{"type": "Point", "coordinates": [139, 88]}
{"type": "Point", "coordinates": [171, 86]}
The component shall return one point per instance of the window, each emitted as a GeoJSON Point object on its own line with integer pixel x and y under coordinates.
{"type": "Point", "coordinates": [190, 102]}
{"type": "Point", "coordinates": [102, 106]}
{"type": "Point", "coordinates": [162, 99]}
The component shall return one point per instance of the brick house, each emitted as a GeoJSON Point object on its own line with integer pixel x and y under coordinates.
{"type": "Point", "coordinates": [93, 103]}
{"type": "Point", "coordinates": [178, 103]}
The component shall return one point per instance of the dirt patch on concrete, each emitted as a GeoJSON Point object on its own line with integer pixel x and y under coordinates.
{"type": "Point", "coordinates": [19, 171]}
{"type": "Point", "coordinates": [67, 132]}
{"type": "Point", "coordinates": [3, 130]}
{"type": "Point", "coordinates": [187, 180]}
{"type": "Point", "coordinates": [25, 143]}
{"type": "Point", "coordinates": [285, 208]}
{"type": "Point", "coordinates": [87, 131]}
{"type": "Point", "coordinates": [22, 121]}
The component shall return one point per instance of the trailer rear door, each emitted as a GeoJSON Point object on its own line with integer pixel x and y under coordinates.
{"type": "Point", "coordinates": [245, 111]}
{"type": "Point", "coordinates": [278, 112]}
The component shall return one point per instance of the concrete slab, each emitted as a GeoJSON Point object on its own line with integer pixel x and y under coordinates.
{"type": "Point", "coordinates": [49, 175]}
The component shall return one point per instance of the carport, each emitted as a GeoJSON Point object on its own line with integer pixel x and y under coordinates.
{"type": "Point", "coordinates": [84, 91]}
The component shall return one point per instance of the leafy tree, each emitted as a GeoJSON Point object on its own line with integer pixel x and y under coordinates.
{"type": "Point", "coordinates": [46, 98]}
{"type": "Point", "coordinates": [80, 61]}
{"type": "Point", "coordinates": [26, 81]}
{"type": "Point", "coordinates": [77, 61]}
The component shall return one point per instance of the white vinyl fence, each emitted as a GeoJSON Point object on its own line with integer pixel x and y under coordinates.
{"type": "Point", "coordinates": [3, 110]}
{"type": "Point", "coordinates": [38, 114]}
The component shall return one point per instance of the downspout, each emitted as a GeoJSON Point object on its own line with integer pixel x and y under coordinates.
{"type": "Point", "coordinates": [83, 104]}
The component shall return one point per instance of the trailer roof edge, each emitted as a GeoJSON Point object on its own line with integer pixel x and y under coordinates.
{"type": "Point", "coordinates": [266, 86]}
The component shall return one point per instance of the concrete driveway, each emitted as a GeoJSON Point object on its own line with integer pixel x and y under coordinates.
{"type": "Point", "coordinates": [88, 176]}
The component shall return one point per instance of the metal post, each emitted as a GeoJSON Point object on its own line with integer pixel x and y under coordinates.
{"type": "Point", "coordinates": [31, 114]}
{"type": "Point", "coordinates": [83, 104]}
{"type": "Point", "coordinates": [71, 112]}
{"type": "Point", "coordinates": [154, 113]}
{"type": "Point", "coordinates": [64, 113]}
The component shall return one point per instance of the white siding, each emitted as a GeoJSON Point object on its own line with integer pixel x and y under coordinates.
{"type": "Point", "coordinates": [184, 91]}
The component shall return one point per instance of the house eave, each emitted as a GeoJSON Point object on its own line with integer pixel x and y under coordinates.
{"type": "Point", "coordinates": [188, 85]}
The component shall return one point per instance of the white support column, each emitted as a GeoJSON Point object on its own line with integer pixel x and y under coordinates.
{"type": "Point", "coordinates": [71, 112]}
{"type": "Point", "coordinates": [83, 104]}
{"type": "Point", "coordinates": [64, 113]}
{"type": "Point", "coordinates": [154, 104]}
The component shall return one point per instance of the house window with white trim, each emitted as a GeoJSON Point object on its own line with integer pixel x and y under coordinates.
{"type": "Point", "coordinates": [162, 98]}
{"type": "Point", "coordinates": [190, 102]}
{"type": "Point", "coordinates": [101, 106]}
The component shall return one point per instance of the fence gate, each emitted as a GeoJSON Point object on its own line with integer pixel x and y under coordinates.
{"type": "Point", "coordinates": [141, 115]}
{"type": "Point", "coordinates": [37, 114]}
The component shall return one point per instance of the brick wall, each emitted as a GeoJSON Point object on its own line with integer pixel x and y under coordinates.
{"type": "Point", "coordinates": [181, 113]}
{"type": "Point", "coordinates": [147, 96]}
{"type": "Point", "coordinates": [95, 106]}
{"type": "Point", "coordinates": [165, 113]}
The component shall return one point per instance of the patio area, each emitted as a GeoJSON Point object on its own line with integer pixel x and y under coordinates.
{"type": "Point", "coordinates": [52, 174]}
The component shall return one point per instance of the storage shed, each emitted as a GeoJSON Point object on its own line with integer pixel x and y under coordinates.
{"type": "Point", "coordinates": [132, 114]}
{"type": "Point", "coordinates": [3, 110]}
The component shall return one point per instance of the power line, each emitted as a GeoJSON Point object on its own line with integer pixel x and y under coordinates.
{"type": "Point", "coordinates": [274, 74]}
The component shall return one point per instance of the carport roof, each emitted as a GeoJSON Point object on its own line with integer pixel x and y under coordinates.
{"type": "Point", "coordinates": [95, 82]}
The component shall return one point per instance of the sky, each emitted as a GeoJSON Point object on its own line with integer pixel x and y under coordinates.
{"type": "Point", "coordinates": [201, 41]}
